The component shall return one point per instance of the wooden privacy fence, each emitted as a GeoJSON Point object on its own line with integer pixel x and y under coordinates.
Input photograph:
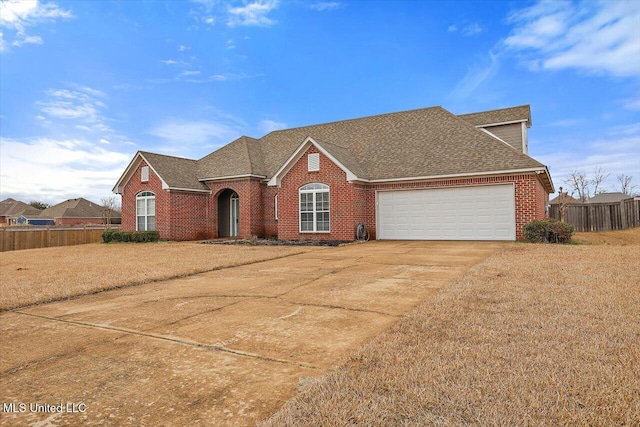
{"type": "Point", "coordinates": [600, 216]}
{"type": "Point", "coordinates": [14, 238]}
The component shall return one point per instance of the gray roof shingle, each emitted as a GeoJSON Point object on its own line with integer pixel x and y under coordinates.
{"type": "Point", "coordinates": [522, 112]}
{"type": "Point", "coordinates": [416, 143]}
{"type": "Point", "coordinates": [177, 172]}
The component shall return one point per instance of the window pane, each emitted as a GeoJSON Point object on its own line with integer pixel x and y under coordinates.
{"type": "Point", "coordinates": [140, 223]}
{"type": "Point", "coordinates": [151, 206]}
{"type": "Point", "coordinates": [151, 223]}
{"type": "Point", "coordinates": [140, 206]}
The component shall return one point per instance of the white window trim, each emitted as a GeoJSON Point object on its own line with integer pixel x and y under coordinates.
{"type": "Point", "coordinates": [275, 208]}
{"type": "Point", "coordinates": [146, 198]}
{"type": "Point", "coordinates": [315, 212]}
{"type": "Point", "coordinates": [144, 174]}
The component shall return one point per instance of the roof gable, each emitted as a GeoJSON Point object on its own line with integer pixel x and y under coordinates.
{"type": "Point", "coordinates": [175, 173]}
{"type": "Point", "coordinates": [335, 153]}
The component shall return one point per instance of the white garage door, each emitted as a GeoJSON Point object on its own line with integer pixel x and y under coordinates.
{"type": "Point", "coordinates": [466, 213]}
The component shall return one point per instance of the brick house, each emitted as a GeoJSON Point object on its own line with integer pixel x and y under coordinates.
{"type": "Point", "coordinates": [420, 174]}
{"type": "Point", "coordinates": [77, 211]}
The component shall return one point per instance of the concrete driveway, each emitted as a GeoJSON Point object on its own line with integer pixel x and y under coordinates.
{"type": "Point", "coordinates": [221, 348]}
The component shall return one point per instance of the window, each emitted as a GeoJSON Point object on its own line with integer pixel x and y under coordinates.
{"type": "Point", "coordinates": [313, 162]}
{"type": "Point", "coordinates": [314, 208]}
{"type": "Point", "coordinates": [276, 206]}
{"type": "Point", "coordinates": [144, 174]}
{"type": "Point", "coordinates": [145, 211]}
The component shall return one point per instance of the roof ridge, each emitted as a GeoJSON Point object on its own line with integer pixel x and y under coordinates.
{"type": "Point", "coordinates": [165, 155]}
{"type": "Point", "coordinates": [355, 118]}
{"type": "Point", "coordinates": [496, 109]}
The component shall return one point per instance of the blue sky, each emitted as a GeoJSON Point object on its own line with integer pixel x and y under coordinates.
{"type": "Point", "coordinates": [85, 84]}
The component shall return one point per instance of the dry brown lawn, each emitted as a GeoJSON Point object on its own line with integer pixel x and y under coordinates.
{"type": "Point", "coordinates": [630, 236]}
{"type": "Point", "coordinates": [536, 335]}
{"type": "Point", "coordinates": [42, 275]}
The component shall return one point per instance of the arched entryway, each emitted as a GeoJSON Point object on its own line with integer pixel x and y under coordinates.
{"type": "Point", "coordinates": [228, 213]}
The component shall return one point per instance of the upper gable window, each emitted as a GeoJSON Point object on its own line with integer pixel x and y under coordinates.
{"type": "Point", "coordinates": [313, 162]}
{"type": "Point", "coordinates": [144, 174]}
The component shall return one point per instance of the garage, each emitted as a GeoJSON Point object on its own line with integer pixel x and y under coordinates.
{"type": "Point", "coordinates": [463, 213]}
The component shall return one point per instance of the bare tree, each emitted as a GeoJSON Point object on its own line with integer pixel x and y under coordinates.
{"type": "Point", "coordinates": [109, 204]}
{"type": "Point", "coordinates": [598, 179]}
{"type": "Point", "coordinates": [626, 186]}
{"type": "Point", "coordinates": [578, 183]}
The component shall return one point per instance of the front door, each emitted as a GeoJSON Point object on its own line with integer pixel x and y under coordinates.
{"type": "Point", "coordinates": [234, 216]}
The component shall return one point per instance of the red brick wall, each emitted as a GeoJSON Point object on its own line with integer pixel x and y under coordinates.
{"type": "Point", "coordinates": [250, 200]}
{"type": "Point", "coordinates": [341, 194]}
{"type": "Point", "coordinates": [189, 216]}
{"type": "Point", "coordinates": [268, 203]}
{"type": "Point", "coordinates": [163, 207]}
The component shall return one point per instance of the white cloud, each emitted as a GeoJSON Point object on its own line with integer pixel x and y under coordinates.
{"type": "Point", "coordinates": [631, 103]}
{"type": "Point", "coordinates": [55, 169]}
{"type": "Point", "coordinates": [190, 73]}
{"type": "Point", "coordinates": [596, 37]}
{"type": "Point", "coordinates": [182, 48]}
{"type": "Point", "coordinates": [472, 30]}
{"type": "Point", "coordinates": [617, 152]}
{"type": "Point", "coordinates": [252, 14]}
{"type": "Point", "coordinates": [452, 28]}
{"type": "Point", "coordinates": [195, 134]}
{"type": "Point", "coordinates": [267, 126]}
{"type": "Point", "coordinates": [326, 5]}
{"type": "Point", "coordinates": [476, 76]}
{"type": "Point", "coordinates": [80, 105]}
{"type": "Point", "coordinates": [18, 15]}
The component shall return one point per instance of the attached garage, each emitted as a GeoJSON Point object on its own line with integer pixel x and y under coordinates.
{"type": "Point", "coordinates": [464, 213]}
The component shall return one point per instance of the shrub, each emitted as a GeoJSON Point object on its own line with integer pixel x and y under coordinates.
{"type": "Point", "coordinates": [130, 236]}
{"type": "Point", "coordinates": [548, 231]}
{"type": "Point", "coordinates": [107, 235]}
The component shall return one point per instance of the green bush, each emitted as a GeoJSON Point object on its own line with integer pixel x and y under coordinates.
{"type": "Point", "coordinates": [548, 231]}
{"type": "Point", "coordinates": [107, 235]}
{"type": "Point", "coordinates": [130, 236]}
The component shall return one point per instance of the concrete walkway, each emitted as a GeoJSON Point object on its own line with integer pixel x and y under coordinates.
{"type": "Point", "coordinates": [223, 348]}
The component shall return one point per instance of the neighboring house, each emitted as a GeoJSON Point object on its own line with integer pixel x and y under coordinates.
{"type": "Point", "coordinates": [420, 174]}
{"type": "Point", "coordinates": [564, 198]}
{"type": "Point", "coordinates": [11, 210]}
{"type": "Point", "coordinates": [608, 198]}
{"type": "Point", "coordinates": [34, 220]}
{"type": "Point", "coordinates": [76, 211]}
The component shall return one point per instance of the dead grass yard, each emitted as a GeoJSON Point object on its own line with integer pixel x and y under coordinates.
{"type": "Point", "coordinates": [41, 275]}
{"type": "Point", "coordinates": [535, 335]}
{"type": "Point", "coordinates": [630, 236]}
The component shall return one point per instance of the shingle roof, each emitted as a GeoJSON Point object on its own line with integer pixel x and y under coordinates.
{"type": "Point", "coordinates": [74, 208]}
{"type": "Point", "coordinates": [608, 198]}
{"type": "Point", "coordinates": [177, 172]}
{"type": "Point", "coordinates": [425, 142]}
{"type": "Point", "coordinates": [11, 207]}
{"type": "Point", "coordinates": [503, 115]}
{"type": "Point", "coordinates": [416, 143]}
{"type": "Point", "coordinates": [566, 199]}
{"type": "Point", "coordinates": [240, 157]}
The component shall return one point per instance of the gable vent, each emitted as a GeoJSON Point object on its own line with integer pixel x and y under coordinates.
{"type": "Point", "coordinates": [144, 174]}
{"type": "Point", "coordinates": [313, 162]}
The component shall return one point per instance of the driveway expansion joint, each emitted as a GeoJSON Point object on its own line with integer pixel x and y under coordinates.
{"type": "Point", "coordinates": [174, 340]}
